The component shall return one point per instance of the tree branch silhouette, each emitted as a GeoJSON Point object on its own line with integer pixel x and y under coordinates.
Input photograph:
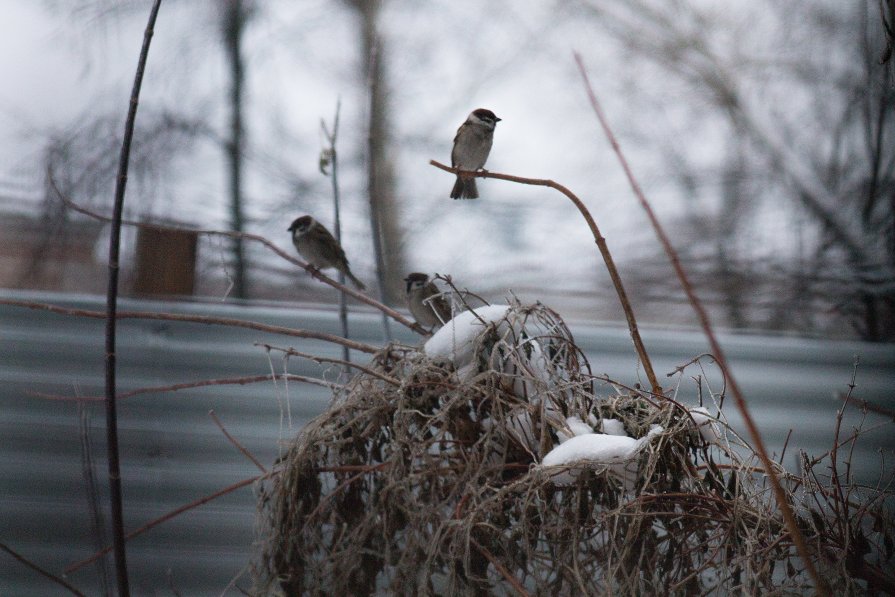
{"type": "Point", "coordinates": [115, 496]}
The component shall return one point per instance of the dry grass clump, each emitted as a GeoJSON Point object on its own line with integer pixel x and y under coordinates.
{"type": "Point", "coordinates": [425, 479]}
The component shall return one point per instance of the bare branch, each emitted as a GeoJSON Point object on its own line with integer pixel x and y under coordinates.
{"type": "Point", "coordinates": [241, 381]}
{"type": "Point", "coordinates": [41, 571]}
{"type": "Point", "coordinates": [260, 239]}
{"type": "Point", "coordinates": [319, 359]}
{"type": "Point", "coordinates": [115, 496]}
{"type": "Point", "coordinates": [601, 244]}
{"type": "Point", "coordinates": [238, 445]}
{"type": "Point", "coordinates": [240, 323]}
{"type": "Point", "coordinates": [172, 514]}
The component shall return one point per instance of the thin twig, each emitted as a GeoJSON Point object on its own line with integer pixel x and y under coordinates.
{"type": "Point", "coordinates": [717, 352]}
{"type": "Point", "coordinates": [601, 245]}
{"type": "Point", "coordinates": [203, 319]}
{"type": "Point", "coordinates": [173, 513]}
{"type": "Point", "coordinates": [319, 359]}
{"type": "Point", "coordinates": [332, 157]}
{"type": "Point", "coordinates": [867, 405]}
{"type": "Point", "coordinates": [517, 586]}
{"type": "Point", "coordinates": [373, 162]}
{"type": "Point", "coordinates": [233, 441]}
{"type": "Point", "coordinates": [41, 571]}
{"type": "Point", "coordinates": [785, 445]}
{"type": "Point", "coordinates": [115, 496]}
{"type": "Point", "coordinates": [241, 381]}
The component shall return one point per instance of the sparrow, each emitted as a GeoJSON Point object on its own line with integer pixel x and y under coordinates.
{"type": "Point", "coordinates": [425, 302]}
{"type": "Point", "coordinates": [471, 148]}
{"type": "Point", "coordinates": [315, 243]}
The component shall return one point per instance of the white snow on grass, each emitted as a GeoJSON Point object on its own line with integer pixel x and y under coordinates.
{"type": "Point", "coordinates": [613, 427]}
{"type": "Point", "coordinates": [459, 334]}
{"type": "Point", "coordinates": [615, 451]}
{"type": "Point", "coordinates": [592, 447]}
{"type": "Point", "coordinates": [456, 339]}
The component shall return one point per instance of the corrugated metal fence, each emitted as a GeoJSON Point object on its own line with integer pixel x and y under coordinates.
{"type": "Point", "coordinates": [173, 453]}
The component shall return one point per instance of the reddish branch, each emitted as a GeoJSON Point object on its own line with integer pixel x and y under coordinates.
{"type": "Point", "coordinates": [228, 381]}
{"type": "Point", "coordinates": [782, 501]}
{"type": "Point", "coordinates": [514, 582]}
{"type": "Point", "coordinates": [343, 362]}
{"type": "Point", "coordinates": [41, 571]}
{"type": "Point", "coordinates": [239, 323]}
{"type": "Point", "coordinates": [316, 273]}
{"type": "Point", "coordinates": [601, 244]}
{"type": "Point", "coordinates": [238, 445]}
{"type": "Point", "coordinates": [867, 405]}
{"type": "Point", "coordinates": [153, 523]}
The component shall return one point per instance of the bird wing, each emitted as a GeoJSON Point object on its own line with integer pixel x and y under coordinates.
{"type": "Point", "coordinates": [330, 248]}
{"type": "Point", "coordinates": [454, 150]}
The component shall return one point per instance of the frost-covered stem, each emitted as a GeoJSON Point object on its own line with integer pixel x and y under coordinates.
{"type": "Point", "coordinates": [780, 495]}
{"type": "Point", "coordinates": [115, 496]}
{"type": "Point", "coordinates": [601, 244]}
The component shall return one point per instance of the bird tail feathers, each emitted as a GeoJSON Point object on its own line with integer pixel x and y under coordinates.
{"type": "Point", "coordinates": [465, 188]}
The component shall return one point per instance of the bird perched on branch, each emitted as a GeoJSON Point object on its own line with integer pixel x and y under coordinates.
{"type": "Point", "coordinates": [320, 248]}
{"type": "Point", "coordinates": [471, 148]}
{"type": "Point", "coordinates": [425, 302]}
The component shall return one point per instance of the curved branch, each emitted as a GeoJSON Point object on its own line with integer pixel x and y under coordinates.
{"type": "Point", "coordinates": [114, 466]}
{"type": "Point", "coordinates": [601, 244]}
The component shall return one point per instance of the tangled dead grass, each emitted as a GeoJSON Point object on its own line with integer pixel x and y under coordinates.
{"type": "Point", "coordinates": [425, 479]}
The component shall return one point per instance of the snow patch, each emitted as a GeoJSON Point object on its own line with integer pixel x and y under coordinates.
{"type": "Point", "coordinates": [613, 427]}
{"type": "Point", "coordinates": [706, 424]}
{"type": "Point", "coordinates": [576, 426]}
{"type": "Point", "coordinates": [615, 451]}
{"type": "Point", "coordinates": [456, 339]}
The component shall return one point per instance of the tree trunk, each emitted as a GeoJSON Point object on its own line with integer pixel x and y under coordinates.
{"type": "Point", "coordinates": [384, 210]}
{"type": "Point", "coordinates": [234, 20]}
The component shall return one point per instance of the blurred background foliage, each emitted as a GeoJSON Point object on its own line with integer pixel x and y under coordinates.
{"type": "Point", "coordinates": [763, 132]}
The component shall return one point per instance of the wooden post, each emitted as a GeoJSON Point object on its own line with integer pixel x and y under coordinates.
{"type": "Point", "coordinates": [166, 261]}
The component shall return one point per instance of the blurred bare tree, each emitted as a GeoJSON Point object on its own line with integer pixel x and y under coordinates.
{"type": "Point", "coordinates": [381, 187]}
{"type": "Point", "coordinates": [232, 18]}
{"type": "Point", "coordinates": [810, 135]}
{"type": "Point", "coordinates": [235, 16]}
